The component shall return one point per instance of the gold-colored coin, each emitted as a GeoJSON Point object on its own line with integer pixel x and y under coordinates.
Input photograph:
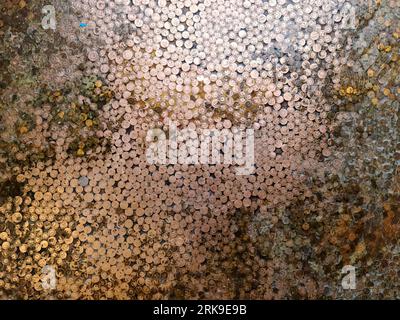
{"type": "Point", "coordinates": [5, 245]}
{"type": "Point", "coordinates": [44, 244]}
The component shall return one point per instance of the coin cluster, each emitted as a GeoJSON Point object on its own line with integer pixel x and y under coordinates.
{"type": "Point", "coordinates": [114, 225]}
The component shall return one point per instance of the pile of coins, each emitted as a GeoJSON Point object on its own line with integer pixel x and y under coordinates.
{"type": "Point", "coordinates": [112, 224]}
